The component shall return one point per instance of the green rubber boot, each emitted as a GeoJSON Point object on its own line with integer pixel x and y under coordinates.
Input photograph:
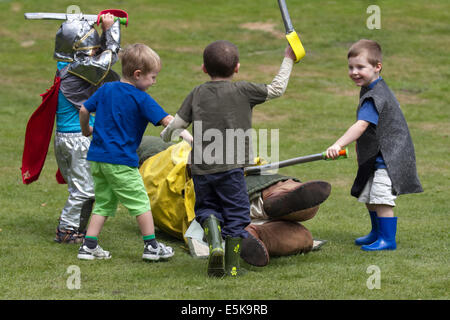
{"type": "Point", "coordinates": [232, 256]}
{"type": "Point", "coordinates": [216, 265]}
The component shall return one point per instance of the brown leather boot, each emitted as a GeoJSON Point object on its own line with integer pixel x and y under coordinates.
{"type": "Point", "coordinates": [290, 196]}
{"type": "Point", "coordinates": [253, 250]}
{"type": "Point", "coordinates": [301, 215]}
{"type": "Point", "coordinates": [282, 238]}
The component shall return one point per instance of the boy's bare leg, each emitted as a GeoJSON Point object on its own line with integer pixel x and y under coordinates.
{"type": "Point", "coordinates": [153, 250]}
{"type": "Point", "coordinates": [382, 210]}
{"type": "Point", "coordinates": [90, 249]}
{"type": "Point", "coordinates": [145, 222]}
{"type": "Point", "coordinates": [95, 225]}
{"type": "Point", "coordinates": [385, 211]}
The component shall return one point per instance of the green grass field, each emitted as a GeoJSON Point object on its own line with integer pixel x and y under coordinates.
{"type": "Point", "coordinates": [318, 106]}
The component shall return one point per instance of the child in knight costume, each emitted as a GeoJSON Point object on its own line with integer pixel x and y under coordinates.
{"type": "Point", "coordinates": [386, 157]}
{"type": "Point", "coordinates": [84, 64]}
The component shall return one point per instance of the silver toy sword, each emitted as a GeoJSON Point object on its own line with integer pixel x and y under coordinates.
{"type": "Point", "coordinates": [257, 170]}
{"type": "Point", "coordinates": [59, 16]}
{"type": "Point", "coordinates": [66, 16]}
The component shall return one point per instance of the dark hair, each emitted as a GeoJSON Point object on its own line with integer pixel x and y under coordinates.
{"type": "Point", "coordinates": [373, 49]}
{"type": "Point", "coordinates": [220, 58]}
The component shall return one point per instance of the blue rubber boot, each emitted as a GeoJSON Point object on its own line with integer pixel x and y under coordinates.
{"type": "Point", "coordinates": [373, 234]}
{"type": "Point", "coordinates": [386, 235]}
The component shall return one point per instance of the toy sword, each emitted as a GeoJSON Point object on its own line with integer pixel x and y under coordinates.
{"type": "Point", "coordinates": [291, 36]}
{"type": "Point", "coordinates": [120, 15]}
{"type": "Point", "coordinates": [255, 170]}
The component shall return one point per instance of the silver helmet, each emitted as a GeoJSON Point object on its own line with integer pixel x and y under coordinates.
{"type": "Point", "coordinates": [75, 37]}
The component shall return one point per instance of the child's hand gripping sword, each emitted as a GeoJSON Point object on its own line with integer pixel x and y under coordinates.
{"type": "Point", "coordinates": [291, 35]}
{"type": "Point", "coordinates": [255, 170]}
{"type": "Point", "coordinates": [120, 15]}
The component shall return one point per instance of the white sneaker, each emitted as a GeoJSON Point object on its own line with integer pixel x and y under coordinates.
{"type": "Point", "coordinates": [84, 253]}
{"type": "Point", "coordinates": [160, 252]}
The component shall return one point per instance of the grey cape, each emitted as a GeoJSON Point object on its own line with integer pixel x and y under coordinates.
{"type": "Point", "coordinates": [391, 137]}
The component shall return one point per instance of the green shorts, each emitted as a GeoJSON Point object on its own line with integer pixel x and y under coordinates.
{"type": "Point", "coordinates": [114, 183]}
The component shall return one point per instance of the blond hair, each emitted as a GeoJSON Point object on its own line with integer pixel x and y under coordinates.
{"type": "Point", "coordinates": [373, 49]}
{"type": "Point", "coordinates": [138, 56]}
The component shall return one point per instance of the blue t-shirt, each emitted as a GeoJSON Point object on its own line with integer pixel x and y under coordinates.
{"type": "Point", "coordinates": [369, 113]}
{"type": "Point", "coordinates": [122, 113]}
{"type": "Point", "coordinates": [67, 116]}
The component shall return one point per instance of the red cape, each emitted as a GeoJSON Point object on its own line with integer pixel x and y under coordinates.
{"type": "Point", "coordinates": [38, 135]}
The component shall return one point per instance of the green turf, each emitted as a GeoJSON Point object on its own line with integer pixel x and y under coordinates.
{"type": "Point", "coordinates": [318, 106]}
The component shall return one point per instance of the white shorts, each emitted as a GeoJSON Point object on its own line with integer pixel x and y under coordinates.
{"type": "Point", "coordinates": [378, 189]}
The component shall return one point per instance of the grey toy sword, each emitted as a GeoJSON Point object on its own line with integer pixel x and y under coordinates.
{"type": "Point", "coordinates": [119, 14]}
{"type": "Point", "coordinates": [257, 170]}
{"type": "Point", "coordinates": [59, 16]}
{"type": "Point", "coordinates": [291, 36]}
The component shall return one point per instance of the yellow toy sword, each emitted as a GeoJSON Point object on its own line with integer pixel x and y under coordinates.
{"type": "Point", "coordinates": [291, 35]}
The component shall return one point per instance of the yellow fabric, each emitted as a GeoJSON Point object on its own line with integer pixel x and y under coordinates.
{"type": "Point", "coordinates": [259, 161]}
{"type": "Point", "coordinates": [171, 192]}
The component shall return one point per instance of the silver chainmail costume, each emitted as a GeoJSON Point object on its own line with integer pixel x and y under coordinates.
{"type": "Point", "coordinates": [90, 57]}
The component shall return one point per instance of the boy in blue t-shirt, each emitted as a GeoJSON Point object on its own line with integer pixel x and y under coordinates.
{"type": "Point", "coordinates": [123, 110]}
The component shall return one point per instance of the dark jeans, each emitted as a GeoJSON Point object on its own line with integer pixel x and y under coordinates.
{"type": "Point", "coordinates": [224, 195]}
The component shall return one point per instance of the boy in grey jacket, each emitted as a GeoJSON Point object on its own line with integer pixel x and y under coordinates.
{"type": "Point", "coordinates": [386, 158]}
